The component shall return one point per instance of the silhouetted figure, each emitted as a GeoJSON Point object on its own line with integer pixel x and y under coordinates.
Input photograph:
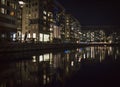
{"type": "Point", "coordinates": [25, 36]}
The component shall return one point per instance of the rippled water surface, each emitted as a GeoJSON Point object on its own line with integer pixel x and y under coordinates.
{"type": "Point", "coordinates": [82, 67]}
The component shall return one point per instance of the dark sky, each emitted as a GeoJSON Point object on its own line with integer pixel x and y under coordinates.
{"type": "Point", "coordinates": [94, 12]}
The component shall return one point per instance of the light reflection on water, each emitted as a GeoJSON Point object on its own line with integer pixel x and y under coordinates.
{"type": "Point", "coordinates": [52, 69]}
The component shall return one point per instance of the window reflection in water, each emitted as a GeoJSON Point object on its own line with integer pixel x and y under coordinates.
{"type": "Point", "coordinates": [98, 52]}
{"type": "Point", "coordinates": [52, 68]}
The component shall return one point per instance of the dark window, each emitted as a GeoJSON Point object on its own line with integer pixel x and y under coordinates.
{"type": "Point", "coordinates": [36, 3]}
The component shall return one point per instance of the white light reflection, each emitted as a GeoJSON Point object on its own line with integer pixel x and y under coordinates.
{"type": "Point", "coordinates": [68, 57]}
{"type": "Point", "coordinates": [100, 58]}
{"type": "Point", "coordinates": [110, 51]}
{"type": "Point", "coordinates": [48, 79]}
{"type": "Point", "coordinates": [44, 76]}
{"type": "Point", "coordinates": [88, 54]}
{"type": "Point", "coordinates": [67, 69]}
{"type": "Point", "coordinates": [44, 81]}
{"type": "Point", "coordinates": [100, 52]}
{"type": "Point", "coordinates": [75, 55]}
{"type": "Point", "coordinates": [92, 52]}
{"type": "Point", "coordinates": [77, 49]}
{"type": "Point", "coordinates": [115, 56]}
{"type": "Point", "coordinates": [117, 51]}
{"type": "Point", "coordinates": [80, 50]}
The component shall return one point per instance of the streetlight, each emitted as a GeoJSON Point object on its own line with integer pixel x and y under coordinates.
{"type": "Point", "coordinates": [21, 4]}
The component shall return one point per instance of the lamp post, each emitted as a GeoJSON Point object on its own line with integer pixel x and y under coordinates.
{"type": "Point", "coordinates": [21, 5]}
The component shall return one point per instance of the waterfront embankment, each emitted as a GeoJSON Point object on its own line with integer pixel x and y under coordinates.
{"type": "Point", "coordinates": [18, 47]}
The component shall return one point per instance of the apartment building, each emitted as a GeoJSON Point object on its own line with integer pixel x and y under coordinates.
{"type": "Point", "coordinates": [41, 20]}
{"type": "Point", "coordinates": [72, 29]}
{"type": "Point", "coordinates": [8, 20]}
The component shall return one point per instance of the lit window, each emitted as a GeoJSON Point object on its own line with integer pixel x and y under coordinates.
{"type": "Point", "coordinates": [44, 28]}
{"type": "Point", "coordinates": [40, 58]}
{"type": "Point", "coordinates": [46, 57]}
{"type": "Point", "coordinates": [14, 37]}
{"type": "Point", "coordinates": [72, 28]}
{"type": "Point", "coordinates": [46, 37]}
{"type": "Point", "coordinates": [44, 22]}
{"type": "Point", "coordinates": [3, 1]}
{"type": "Point", "coordinates": [83, 34]}
{"type": "Point", "coordinates": [34, 59]}
{"type": "Point", "coordinates": [44, 17]}
{"type": "Point", "coordinates": [44, 12]}
{"type": "Point", "coordinates": [51, 20]}
{"type": "Point", "coordinates": [55, 27]}
{"type": "Point", "coordinates": [12, 13]}
{"type": "Point", "coordinates": [51, 36]}
{"type": "Point", "coordinates": [51, 25]}
{"type": "Point", "coordinates": [72, 63]}
{"type": "Point", "coordinates": [67, 23]}
{"type": "Point", "coordinates": [51, 29]}
{"type": "Point", "coordinates": [29, 35]}
{"type": "Point", "coordinates": [3, 35]}
{"type": "Point", "coordinates": [2, 10]}
{"type": "Point", "coordinates": [51, 15]}
{"type": "Point", "coordinates": [40, 37]}
{"type": "Point", "coordinates": [48, 14]}
{"type": "Point", "coordinates": [67, 35]}
{"type": "Point", "coordinates": [34, 35]}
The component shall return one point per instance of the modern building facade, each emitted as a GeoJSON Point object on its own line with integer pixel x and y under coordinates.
{"type": "Point", "coordinates": [47, 21]}
{"type": "Point", "coordinates": [92, 34]}
{"type": "Point", "coordinates": [8, 20]}
{"type": "Point", "coordinates": [37, 20]}
{"type": "Point", "coordinates": [72, 29]}
{"type": "Point", "coordinates": [41, 20]}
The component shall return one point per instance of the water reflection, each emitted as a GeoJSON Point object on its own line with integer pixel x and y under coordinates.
{"type": "Point", "coordinates": [52, 69]}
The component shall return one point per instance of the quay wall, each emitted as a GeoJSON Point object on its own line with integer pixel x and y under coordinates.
{"type": "Point", "coordinates": [15, 47]}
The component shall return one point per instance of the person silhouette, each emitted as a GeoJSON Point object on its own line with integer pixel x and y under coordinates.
{"type": "Point", "coordinates": [25, 36]}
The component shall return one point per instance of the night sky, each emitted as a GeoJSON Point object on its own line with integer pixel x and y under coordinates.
{"type": "Point", "coordinates": [93, 12]}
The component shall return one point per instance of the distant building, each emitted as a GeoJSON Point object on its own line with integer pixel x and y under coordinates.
{"type": "Point", "coordinates": [92, 34]}
{"type": "Point", "coordinates": [72, 29]}
{"type": "Point", "coordinates": [8, 20]}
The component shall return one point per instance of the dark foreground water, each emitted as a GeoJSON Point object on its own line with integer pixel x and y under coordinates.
{"type": "Point", "coordinates": [82, 67]}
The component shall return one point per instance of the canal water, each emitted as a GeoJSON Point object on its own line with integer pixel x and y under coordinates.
{"type": "Point", "coordinates": [96, 66]}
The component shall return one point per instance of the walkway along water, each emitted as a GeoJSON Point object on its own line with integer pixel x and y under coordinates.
{"type": "Point", "coordinates": [17, 47]}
